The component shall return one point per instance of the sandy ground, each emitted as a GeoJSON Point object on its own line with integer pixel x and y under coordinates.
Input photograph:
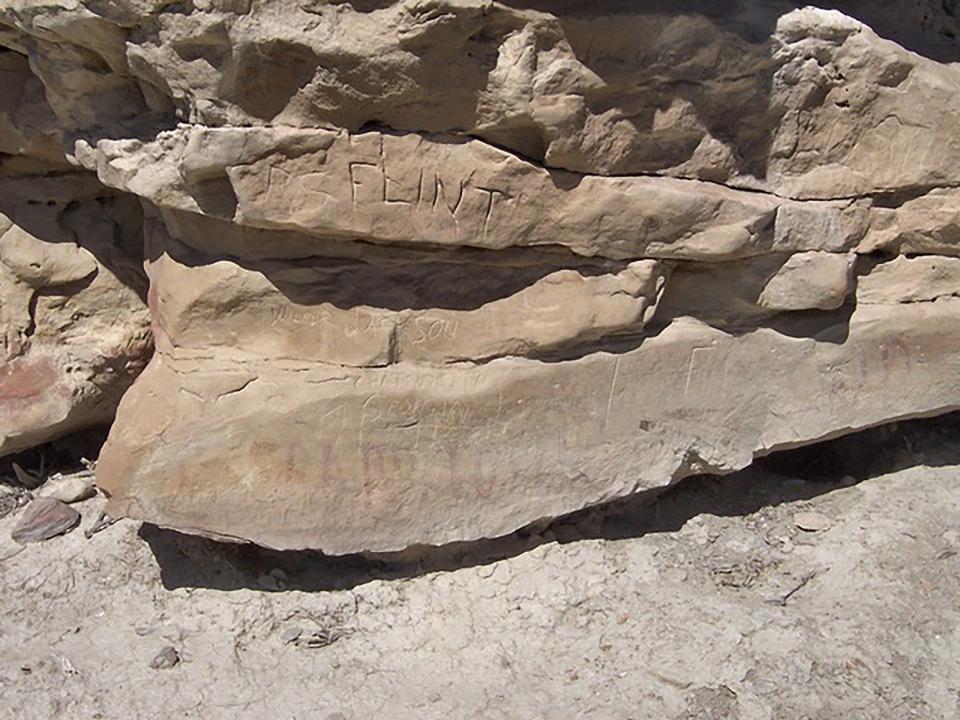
{"type": "Point", "coordinates": [708, 603]}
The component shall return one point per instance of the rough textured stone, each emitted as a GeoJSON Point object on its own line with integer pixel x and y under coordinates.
{"type": "Point", "coordinates": [346, 458]}
{"type": "Point", "coordinates": [74, 328]}
{"type": "Point", "coordinates": [75, 331]}
{"type": "Point", "coordinates": [69, 488]}
{"type": "Point", "coordinates": [43, 519]}
{"type": "Point", "coordinates": [907, 280]}
{"type": "Point", "coordinates": [422, 272]}
{"type": "Point", "coordinates": [452, 192]}
{"type": "Point", "coordinates": [810, 281]}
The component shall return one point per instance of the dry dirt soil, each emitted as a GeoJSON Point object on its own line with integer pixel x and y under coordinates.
{"type": "Point", "coordinates": [708, 602]}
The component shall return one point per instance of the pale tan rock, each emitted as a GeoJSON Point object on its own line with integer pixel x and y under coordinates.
{"type": "Point", "coordinates": [929, 224]}
{"type": "Point", "coordinates": [80, 57]}
{"type": "Point", "coordinates": [724, 295]}
{"type": "Point", "coordinates": [801, 102]}
{"type": "Point", "coordinates": [69, 488]}
{"type": "Point", "coordinates": [200, 304]}
{"type": "Point", "coordinates": [812, 521]}
{"type": "Point", "coordinates": [75, 331]}
{"type": "Point", "coordinates": [42, 264]}
{"type": "Point", "coordinates": [810, 281]}
{"type": "Point", "coordinates": [27, 123]}
{"type": "Point", "coordinates": [564, 309]}
{"type": "Point", "coordinates": [857, 114]}
{"type": "Point", "coordinates": [738, 296]}
{"type": "Point", "coordinates": [444, 191]}
{"type": "Point", "coordinates": [806, 103]}
{"type": "Point", "coordinates": [379, 459]}
{"type": "Point", "coordinates": [72, 333]}
{"type": "Point", "coordinates": [909, 280]}
{"type": "Point", "coordinates": [424, 272]}
{"type": "Point", "coordinates": [189, 313]}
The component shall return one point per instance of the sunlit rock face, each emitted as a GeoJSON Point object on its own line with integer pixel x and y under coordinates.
{"type": "Point", "coordinates": [429, 271]}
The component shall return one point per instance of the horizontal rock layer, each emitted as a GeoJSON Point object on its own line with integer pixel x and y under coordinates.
{"type": "Point", "coordinates": [295, 455]}
{"type": "Point", "coordinates": [423, 272]}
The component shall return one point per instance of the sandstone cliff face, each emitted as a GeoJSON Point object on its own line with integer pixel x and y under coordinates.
{"type": "Point", "coordinates": [430, 270]}
{"type": "Point", "coordinates": [75, 331]}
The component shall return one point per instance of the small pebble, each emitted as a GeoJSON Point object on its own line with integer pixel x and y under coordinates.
{"type": "Point", "coordinates": [290, 635]}
{"type": "Point", "coordinates": [812, 521]}
{"type": "Point", "coordinates": [166, 658]}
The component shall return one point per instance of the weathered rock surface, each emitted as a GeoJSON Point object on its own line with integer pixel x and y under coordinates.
{"type": "Point", "coordinates": [43, 519]}
{"type": "Point", "coordinates": [69, 488]}
{"type": "Point", "coordinates": [75, 331]}
{"type": "Point", "coordinates": [422, 272]}
{"type": "Point", "coordinates": [74, 328]}
{"type": "Point", "coordinates": [450, 192]}
{"type": "Point", "coordinates": [346, 458]}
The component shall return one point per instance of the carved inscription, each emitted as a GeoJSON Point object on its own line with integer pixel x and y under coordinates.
{"type": "Point", "coordinates": [355, 322]}
{"type": "Point", "coordinates": [402, 437]}
{"type": "Point", "coordinates": [430, 327]}
{"type": "Point", "coordinates": [706, 374]}
{"type": "Point", "coordinates": [427, 190]}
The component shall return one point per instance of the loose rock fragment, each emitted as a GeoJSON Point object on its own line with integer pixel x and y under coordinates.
{"type": "Point", "coordinates": [812, 521]}
{"type": "Point", "coordinates": [167, 658]}
{"type": "Point", "coordinates": [43, 519]}
{"type": "Point", "coordinates": [290, 635]}
{"type": "Point", "coordinates": [810, 281]}
{"type": "Point", "coordinates": [318, 639]}
{"type": "Point", "coordinates": [69, 488]}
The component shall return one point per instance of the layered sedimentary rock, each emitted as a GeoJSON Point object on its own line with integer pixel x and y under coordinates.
{"type": "Point", "coordinates": [428, 271]}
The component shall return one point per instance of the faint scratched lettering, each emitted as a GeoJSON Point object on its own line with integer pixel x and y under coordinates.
{"type": "Point", "coordinates": [313, 317]}
{"type": "Point", "coordinates": [313, 183]}
{"type": "Point", "coordinates": [363, 322]}
{"type": "Point", "coordinates": [358, 321]}
{"type": "Point", "coordinates": [707, 373]}
{"type": "Point", "coordinates": [432, 328]}
{"type": "Point", "coordinates": [877, 364]}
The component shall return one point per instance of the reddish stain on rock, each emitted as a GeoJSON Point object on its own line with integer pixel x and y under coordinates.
{"type": "Point", "coordinates": [23, 379]}
{"type": "Point", "coordinates": [32, 393]}
{"type": "Point", "coordinates": [43, 519]}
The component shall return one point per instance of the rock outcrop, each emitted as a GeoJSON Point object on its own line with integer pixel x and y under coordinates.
{"type": "Point", "coordinates": [430, 270]}
{"type": "Point", "coordinates": [75, 329]}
